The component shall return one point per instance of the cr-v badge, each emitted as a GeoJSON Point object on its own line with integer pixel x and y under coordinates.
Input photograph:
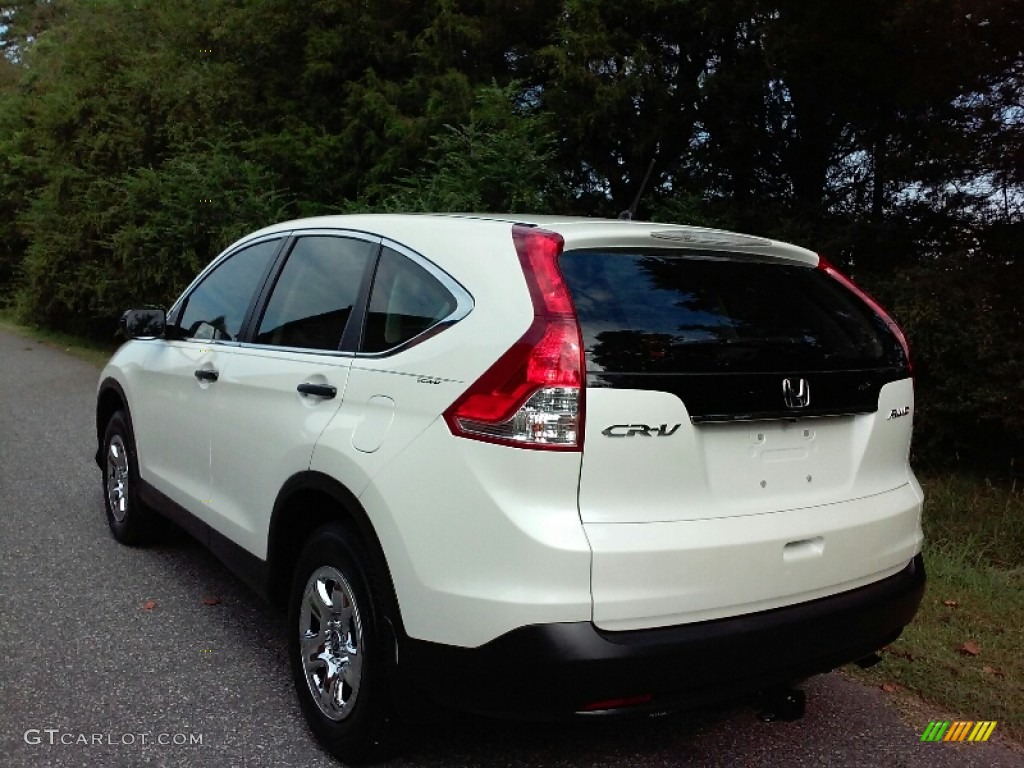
{"type": "Point", "coordinates": [796, 393]}
{"type": "Point", "coordinates": [631, 430]}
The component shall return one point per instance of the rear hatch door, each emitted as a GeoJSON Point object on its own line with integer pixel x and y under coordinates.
{"type": "Point", "coordinates": [723, 384]}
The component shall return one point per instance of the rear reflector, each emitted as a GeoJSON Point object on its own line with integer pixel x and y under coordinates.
{"type": "Point", "coordinates": [625, 701]}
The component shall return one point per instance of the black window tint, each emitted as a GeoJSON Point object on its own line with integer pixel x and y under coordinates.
{"type": "Point", "coordinates": [658, 312]}
{"type": "Point", "coordinates": [314, 295]}
{"type": "Point", "coordinates": [406, 300]}
{"type": "Point", "coordinates": [216, 308]}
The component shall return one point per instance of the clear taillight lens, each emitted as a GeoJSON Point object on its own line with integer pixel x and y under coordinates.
{"type": "Point", "coordinates": [549, 417]}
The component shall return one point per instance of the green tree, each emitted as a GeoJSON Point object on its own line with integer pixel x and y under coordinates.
{"type": "Point", "coordinates": [622, 82]}
{"type": "Point", "coordinates": [111, 95]}
{"type": "Point", "coordinates": [345, 97]}
{"type": "Point", "coordinates": [22, 21]}
{"type": "Point", "coordinates": [501, 160]}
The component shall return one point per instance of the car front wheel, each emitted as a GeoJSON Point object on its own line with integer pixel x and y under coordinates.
{"type": "Point", "coordinates": [130, 521]}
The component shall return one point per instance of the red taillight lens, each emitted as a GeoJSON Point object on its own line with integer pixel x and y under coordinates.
{"type": "Point", "coordinates": [532, 396]}
{"type": "Point", "coordinates": [555, 360]}
{"type": "Point", "coordinates": [538, 252]}
{"type": "Point", "coordinates": [829, 269]}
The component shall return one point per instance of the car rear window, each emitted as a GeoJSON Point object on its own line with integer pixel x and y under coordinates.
{"type": "Point", "coordinates": [663, 311]}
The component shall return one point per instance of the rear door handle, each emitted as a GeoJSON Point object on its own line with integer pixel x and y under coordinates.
{"type": "Point", "coordinates": [206, 374]}
{"type": "Point", "coordinates": [326, 391]}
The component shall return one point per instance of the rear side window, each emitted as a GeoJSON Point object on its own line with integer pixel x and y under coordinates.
{"type": "Point", "coordinates": [406, 300]}
{"type": "Point", "coordinates": [688, 312]}
{"type": "Point", "coordinates": [315, 294]}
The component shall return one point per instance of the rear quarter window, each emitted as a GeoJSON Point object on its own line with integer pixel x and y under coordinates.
{"type": "Point", "coordinates": [405, 302]}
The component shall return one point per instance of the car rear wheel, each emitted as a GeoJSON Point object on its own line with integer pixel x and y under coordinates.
{"type": "Point", "coordinates": [336, 649]}
{"type": "Point", "coordinates": [130, 521]}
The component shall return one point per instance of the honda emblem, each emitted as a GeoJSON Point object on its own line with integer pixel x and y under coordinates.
{"type": "Point", "coordinates": [796, 393]}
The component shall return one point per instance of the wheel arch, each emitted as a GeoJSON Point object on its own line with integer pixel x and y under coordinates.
{"type": "Point", "coordinates": [110, 398]}
{"type": "Point", "coordinates": [305, 502]}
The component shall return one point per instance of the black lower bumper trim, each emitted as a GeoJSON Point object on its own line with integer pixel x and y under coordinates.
{"type": "Point", "coordinates": [555, 670]}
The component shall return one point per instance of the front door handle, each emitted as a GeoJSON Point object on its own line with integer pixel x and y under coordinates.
{"type": "Point", "coordinates": [206, 374]}
{"type": "Point", "coordinates": [326, 391]}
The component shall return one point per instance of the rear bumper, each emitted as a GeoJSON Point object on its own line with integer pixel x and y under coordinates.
{"type": "Point", "coordinates": [552, 671]}
{"type": "Point", "coordinates": [667, 574]}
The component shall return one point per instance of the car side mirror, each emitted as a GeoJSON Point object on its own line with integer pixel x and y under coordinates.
{"type": "Point", "coordinates": [144, 323]}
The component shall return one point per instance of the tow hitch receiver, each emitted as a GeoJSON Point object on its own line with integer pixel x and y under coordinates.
{"type": "Point", "coordinates": [785, 704]}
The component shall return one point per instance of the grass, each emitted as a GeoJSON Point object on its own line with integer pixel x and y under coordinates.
{"type": "Point", "coordinates": [964, 652]}
{"type": "Point", "coordinates": [974, 556]}
{"type": "Point", "coordinates": [90, 351]}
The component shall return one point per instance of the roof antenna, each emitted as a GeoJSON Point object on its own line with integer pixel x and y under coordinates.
{"type": "Point", "coordinates": [629, 213]}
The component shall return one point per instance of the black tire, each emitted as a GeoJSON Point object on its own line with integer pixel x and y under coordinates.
{"type": "Point", "coordinates": [131, 522]}
{"type": "Point", "coordinates": [357, 725]}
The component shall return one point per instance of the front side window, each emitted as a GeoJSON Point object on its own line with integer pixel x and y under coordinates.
{"type": "Point", "coordinates": [216, 308]}
{"type": "Point", "coordinates": [406, 300]}
{"type": "Point", "coordinates": [314, 296]}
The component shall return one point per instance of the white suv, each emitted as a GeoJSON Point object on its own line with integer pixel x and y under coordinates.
{"type": "Point", "coordinates": [567, 466]}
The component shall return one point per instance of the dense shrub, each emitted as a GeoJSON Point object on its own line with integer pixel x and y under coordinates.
{"type": "Point", "coordinates": [139, 238]}
{"type": "Point", "coordinates": [966, 331]}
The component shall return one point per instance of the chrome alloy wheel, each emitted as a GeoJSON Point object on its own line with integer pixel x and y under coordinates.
{"type": "Point", "coordinates": [118, 477]}
{"type": "Point", "coordinates": [331, 642]}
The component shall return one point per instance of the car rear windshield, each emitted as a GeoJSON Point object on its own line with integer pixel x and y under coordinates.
{"type": "Point", "coordinates": [662, 311]}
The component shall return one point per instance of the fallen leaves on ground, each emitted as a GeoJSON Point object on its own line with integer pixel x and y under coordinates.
{"type": "Point", "coordinates": [891, 687]}
{"type": "Point", "coordinates": [969, 648]}
{"type": "Point", "coordinates": [211, 601]}
{"type": "Point", "coordinates": [149, 605]}
{"type": "Point", "coordinates": [951, 603]}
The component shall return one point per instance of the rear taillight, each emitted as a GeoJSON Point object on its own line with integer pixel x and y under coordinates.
{"type": "Point", "coordinates": [825, 266]}
{"type": "Point", "coordinates": [533, 396]}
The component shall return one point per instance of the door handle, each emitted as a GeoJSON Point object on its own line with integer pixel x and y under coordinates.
{"type": "Point", "coordinates": [206, 374]}
{"type": "Point", "coordinates": [326, 391]}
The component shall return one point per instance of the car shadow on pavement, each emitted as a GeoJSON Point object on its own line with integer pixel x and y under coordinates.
{"type": "Point", "coordinates": [461, 739]}
{"type": "Point", "coordinates": [444, 738]}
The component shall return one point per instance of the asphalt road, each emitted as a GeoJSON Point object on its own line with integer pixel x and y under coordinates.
{"type": "Point", "coordinates": [90, 677]}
